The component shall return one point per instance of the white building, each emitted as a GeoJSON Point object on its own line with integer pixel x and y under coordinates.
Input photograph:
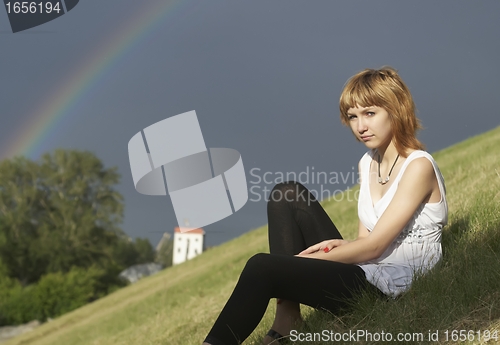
{"type": "Point", "coordinates": [187, 245]}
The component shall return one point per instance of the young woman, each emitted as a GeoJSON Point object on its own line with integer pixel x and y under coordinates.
{"type": "Point", "coordinates": [401, 208]}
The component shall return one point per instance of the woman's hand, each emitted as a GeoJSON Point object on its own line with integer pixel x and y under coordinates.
{"type": "Point", "coordinates": [324, 246]}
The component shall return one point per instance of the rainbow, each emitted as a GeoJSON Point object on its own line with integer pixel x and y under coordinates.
{"type": "Point", "coordinates": [72, 90]}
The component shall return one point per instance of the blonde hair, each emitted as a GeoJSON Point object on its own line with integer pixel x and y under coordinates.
{"type": "Point", "coordinates": [384, 88]}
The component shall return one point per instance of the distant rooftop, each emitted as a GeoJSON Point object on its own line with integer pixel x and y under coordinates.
{"type": "Point", "coordinates": [194, 231]}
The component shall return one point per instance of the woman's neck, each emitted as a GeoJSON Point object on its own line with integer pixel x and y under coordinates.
{"type": "Point", "coordinates": [387, 154]}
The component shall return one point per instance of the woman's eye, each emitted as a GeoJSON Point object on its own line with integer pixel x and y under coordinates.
{"type": "Point", "coordinates": [351, 117]}
{"type": "Point", "coordinates": [370, 113]}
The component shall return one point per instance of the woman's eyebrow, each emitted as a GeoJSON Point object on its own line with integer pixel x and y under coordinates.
{"type": "Point", "coordinates": [362, 110]}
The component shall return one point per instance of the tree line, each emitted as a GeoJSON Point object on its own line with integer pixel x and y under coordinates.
{"type": "Point", "coordinates": [61, 245]}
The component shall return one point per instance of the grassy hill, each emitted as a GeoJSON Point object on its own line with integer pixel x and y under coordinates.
{"type": "Point", "coordinates": [179, 305]}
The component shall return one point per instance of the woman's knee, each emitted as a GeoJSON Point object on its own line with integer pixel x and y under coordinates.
{"type": "Point", "coordinates": [290, 191]}
{"type": "Point", "coordinates": [258, 266]}
{"type": "Point", "coordinates": [257, 261]}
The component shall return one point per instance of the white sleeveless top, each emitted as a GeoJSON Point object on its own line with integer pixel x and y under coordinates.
{"type": "Point", "coordinates": [418, 247]}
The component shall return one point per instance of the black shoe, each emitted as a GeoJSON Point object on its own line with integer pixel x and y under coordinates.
{"type": "Point", "coordinates": [275, 335]}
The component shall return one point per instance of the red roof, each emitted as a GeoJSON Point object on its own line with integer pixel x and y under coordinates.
{"type": "Point", "coordinates": [194, 231]}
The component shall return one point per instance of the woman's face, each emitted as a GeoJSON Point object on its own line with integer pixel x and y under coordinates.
{"type": "Point", "coordinates": [371, 125]}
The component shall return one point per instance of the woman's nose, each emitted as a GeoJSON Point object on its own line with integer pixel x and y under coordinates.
{"type": "Point", "coordinates": [361, 125]}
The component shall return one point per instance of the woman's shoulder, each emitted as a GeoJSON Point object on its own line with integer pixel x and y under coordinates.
{"type": "Point", "coordinates": [421, 164]}
{"type": "Point", "coordinates": [416, 154]}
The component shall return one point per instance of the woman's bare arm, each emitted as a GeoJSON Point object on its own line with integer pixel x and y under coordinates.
{"type": "Point", "coordinates": [362, 231]}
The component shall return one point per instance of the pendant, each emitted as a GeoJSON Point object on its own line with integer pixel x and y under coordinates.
{"type": "Point", "coordinates": [390, 171]}
{"type": "Point", "coordinates": [383, 181]}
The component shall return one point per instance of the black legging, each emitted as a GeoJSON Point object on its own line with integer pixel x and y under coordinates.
{"type": "Point", "coordinates": [296, 221]}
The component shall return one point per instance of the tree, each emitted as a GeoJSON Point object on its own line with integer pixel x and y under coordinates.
{"type": "Point", "coordinates": [59, 213]}
{"type": "Point", "coordinates": [164, 254]}
{"type": "Point", "coordinates": [129, 253]}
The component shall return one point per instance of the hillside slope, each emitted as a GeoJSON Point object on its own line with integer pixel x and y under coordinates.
{"type": "Point", "coordinates": [179, 304]}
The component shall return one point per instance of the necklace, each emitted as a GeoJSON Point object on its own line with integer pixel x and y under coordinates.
{"type": "Point", "coordinates": [388, 176]}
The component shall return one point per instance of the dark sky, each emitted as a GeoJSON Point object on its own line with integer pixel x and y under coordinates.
{"type": "Point", "coordinates": [263, 76]}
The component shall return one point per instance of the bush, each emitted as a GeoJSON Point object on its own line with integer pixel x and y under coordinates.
{"type": "Point", "coordinates": [54, 295]}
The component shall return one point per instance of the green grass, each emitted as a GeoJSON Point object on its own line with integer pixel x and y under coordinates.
{"type": "Point", "coordinates": [180, 304]}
